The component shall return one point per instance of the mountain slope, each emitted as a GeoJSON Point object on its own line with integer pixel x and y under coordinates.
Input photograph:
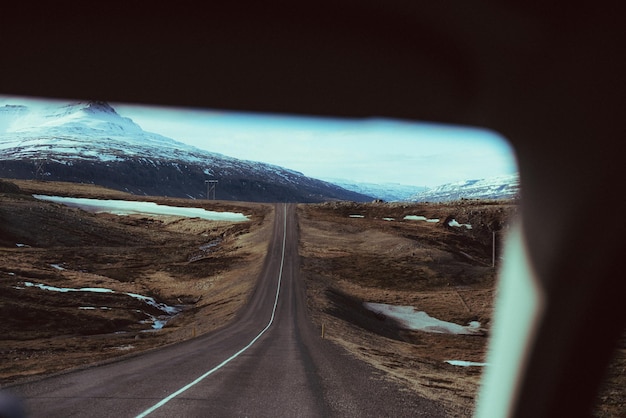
{"type": "Point", "coordinates": [90, 142]}
{"type": "Point", "coordinates": [389, 192]}
{"type": "Point", "coordinates": [500, 187]}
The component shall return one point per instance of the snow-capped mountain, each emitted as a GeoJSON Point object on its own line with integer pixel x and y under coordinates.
{"type": "Point", "coordinates": [90, 142]}
{"type": "Point", "coordinates": [389, 192]}
{"type": "Point", "coordinates": [80, 131]}
{"type": "Point", "coordinates": [500, 187]}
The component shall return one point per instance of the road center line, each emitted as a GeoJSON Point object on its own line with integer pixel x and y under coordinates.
{"type": "Point", "coordinates": [222, 364]}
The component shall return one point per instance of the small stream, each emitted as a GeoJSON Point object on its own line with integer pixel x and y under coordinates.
{"type": "Point", "coordinates": [156, 322]}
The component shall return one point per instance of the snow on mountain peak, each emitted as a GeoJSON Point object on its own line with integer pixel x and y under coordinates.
{"type": "Point", "coordinates": [99, 107]}
{"type": "Point", "coordinates": [91, 142]}
{"type": "Point", "coordinates": [21, 118]}
{"type": "Point", "coordinates": [498, 187]}
{"type": "Point", "coordinates": [79, 130]}
{"type": "Point", "coordinates": [94, 131]}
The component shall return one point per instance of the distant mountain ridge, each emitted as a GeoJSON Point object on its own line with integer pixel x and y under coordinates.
{"type": "Point", "coordinates": [389, 192]}
{"type": "Point", "coordinates": [499, 187]}
{"type": "Point", "coordinates": [90, 142]}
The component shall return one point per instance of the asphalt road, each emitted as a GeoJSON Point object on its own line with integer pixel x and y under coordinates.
{"type": "Point", "coordinates": [271, 361]}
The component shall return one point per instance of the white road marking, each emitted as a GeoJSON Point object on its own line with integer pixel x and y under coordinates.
{"type": "Point", "coordinates": [222, 364]}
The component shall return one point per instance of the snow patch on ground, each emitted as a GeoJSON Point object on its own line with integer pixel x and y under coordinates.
{"type": "Point", "coordinates": [464, 363]}
{"type": "Point", "coordinates": [68, 289]}
{"type": "Point", "coordinates": [454, 222]}
{"type": "Point", "coordinates": [415, 320]}
{"type": "Point", "coordinates": [171, 310]}
{"type": "Point", "coordinates": [420, 218]}
{"type": "Point", "coordinates": [125, 347]}
{"type": "Point", "coordinates": [91, 308]}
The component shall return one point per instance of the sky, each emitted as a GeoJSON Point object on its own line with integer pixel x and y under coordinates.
{"type": "Point", "coordinates": [359, 150]}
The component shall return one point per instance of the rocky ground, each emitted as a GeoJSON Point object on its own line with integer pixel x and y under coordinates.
{"type": "Point", "coordinates": [351, 253]}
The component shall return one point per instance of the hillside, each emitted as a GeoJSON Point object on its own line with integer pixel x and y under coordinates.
{"type": "Point", "coordinates": [192, 275]}
{"type": "Point", "coordinates": [389, 192]}
{"type": "Point", "coordinates": [89, 142]}
{"type": "Point", "coordinates": [499, 187]}
{"type": "Point", "coordinates": [493, 188]}
{"type": "Point", "coordinates": [204, 271]}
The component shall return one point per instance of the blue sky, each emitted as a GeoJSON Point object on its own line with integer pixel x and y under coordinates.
{"type": "Point", "coordinates": [366, 150]}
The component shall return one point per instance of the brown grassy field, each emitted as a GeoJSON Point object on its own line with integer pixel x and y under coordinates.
{"type": "Point", "coordinates": [345, 261]}
{"type": "Point", "coordinates": [444, 271]}
{"type": "Point", "coordinates": [160, 256]}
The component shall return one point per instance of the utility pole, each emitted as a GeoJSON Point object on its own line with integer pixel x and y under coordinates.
{"type": "Point", "coordinates": [210, 187]}
{"type": "Point", "coordinates": [40, 169]}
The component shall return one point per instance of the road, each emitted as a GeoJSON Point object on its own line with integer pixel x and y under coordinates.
{"type": "Point", "coordinates": [270, 361]}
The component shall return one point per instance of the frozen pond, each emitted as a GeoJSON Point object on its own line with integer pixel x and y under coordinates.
{"type": "Point", "coordinates": [415, 320]}
{"type": "Point", "coordinates": [129, 207]}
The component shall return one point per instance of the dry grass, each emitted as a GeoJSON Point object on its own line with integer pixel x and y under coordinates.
{"type": "Point", "coordinates": [402, 263]}
{"type": "Point", "coordinates": [59, 188]}
{"type": "Point", "coordinates": [44, 332]}
{"type": "Point", "coordinates": [442, 271]}
{"type": "Point", "coordinates": [345, 261]}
